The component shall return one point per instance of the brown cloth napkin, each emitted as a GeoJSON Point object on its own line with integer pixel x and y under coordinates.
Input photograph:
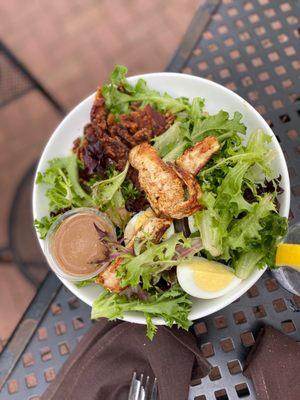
{"type": "Point", "coordinates": [274, 366]}
{"type": "Point", "coordinates": [102, 365]}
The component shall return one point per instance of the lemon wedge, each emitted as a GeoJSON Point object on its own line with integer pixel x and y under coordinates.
{"type": "Point", "coordinates": [288, 255]}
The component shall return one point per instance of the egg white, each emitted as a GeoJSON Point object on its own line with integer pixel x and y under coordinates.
{"type": "Point", "coordinates": [192, 225]}
{"type": "Point", "coordinates": [185, 276]}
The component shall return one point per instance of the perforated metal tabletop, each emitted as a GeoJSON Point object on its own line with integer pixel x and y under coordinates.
{"type": "Point", "coordinates": [250, 47]}
{"type": "Point", "coordinates": [225, 338]}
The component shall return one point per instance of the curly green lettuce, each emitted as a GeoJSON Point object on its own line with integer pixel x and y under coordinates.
{"type": "Point", "coordinates": [172, 143]}
{"type": "Point", "coordinates": [173, 306]}
{"type": "Point", "coordinates": [64, 191]}
{"type": "Point", "coordinates": [232, 228]}
{"type": "Point", "coordinates": [62, 182]}
{"type": "Point", "coordinates": [103, 191]}
{"type": "Point", "coordinates": [150, 263]}
{"type": "Point", "coordinates": [43, 225]}
{"type": "Point", "coordinates": [119, 94]}
{"type": "Point", "coordinates": [108, 196]}
{"type": "Point", "coordinates": [86, 282]}
{"type": "Point", "coordinates": [255, 239]}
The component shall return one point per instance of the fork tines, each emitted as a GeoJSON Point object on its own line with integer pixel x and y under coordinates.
{"type": "Point", "coordinates": [142, 390]}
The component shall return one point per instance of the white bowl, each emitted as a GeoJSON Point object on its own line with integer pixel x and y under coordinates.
{"type": "Point", "coordinates": [217, 97]}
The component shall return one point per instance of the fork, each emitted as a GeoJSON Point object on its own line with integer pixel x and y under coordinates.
{"type": "Point", "coordinates": [139, 392]}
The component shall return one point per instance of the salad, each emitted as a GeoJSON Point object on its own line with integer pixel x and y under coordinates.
{"type": "Point", "coordinates": [182, 189]}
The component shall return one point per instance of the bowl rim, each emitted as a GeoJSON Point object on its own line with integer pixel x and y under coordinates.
{"type": "Point", "coordinates": [135, 317]}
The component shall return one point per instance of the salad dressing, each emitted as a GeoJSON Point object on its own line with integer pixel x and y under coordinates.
{"type": "Point", "coordinates": [76, 246]}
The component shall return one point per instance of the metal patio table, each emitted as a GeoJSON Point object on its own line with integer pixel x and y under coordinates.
{"type": "Point", "coordinates": [251, 48]}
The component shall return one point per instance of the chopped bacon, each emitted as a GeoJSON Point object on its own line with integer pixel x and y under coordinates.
{"type": "Point", "coordinates": [111, 140]}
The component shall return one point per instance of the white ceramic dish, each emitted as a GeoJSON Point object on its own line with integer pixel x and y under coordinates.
{"type": "Point", "coordinates": [217, 97]}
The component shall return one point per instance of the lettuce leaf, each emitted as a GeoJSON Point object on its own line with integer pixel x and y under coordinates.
{"type": "Point", "coordinates": [222, 205]}
{"type": "Point", "coordinates": [84, 283]}
{"type": "Point", "coordinates": [195, 126]}
{"type": "Point", "coordinates": [162, 102]}
{"type": "Point", "coordinates": [216, 125]}
{"type": "Point", "coordinates": [230, 193]}
{"type": "Point", "coordinates": [151, 262]}
{"type": "Point", "coordinates": [64, 190]}
{"type": "Point", "coordinates": [256, 152]}
{"type": "Point", "coordinates": [230, 226]}
{"type": "Point", "coordinates": [247, 263]}
{"type": "Point", "coordinates": [104, 191]}
{"type": "Point", "coordinates": [249, 227]}
{"type": "Point", "coordinates": [172, 143]}
{"type": "Point", "coordinates": [118, 101]}
{"type": "Point", "coordinates": [107, 195]}
{"type": "Point", "coordinates": [117, 212]}
{"type": "Point", "coordinates": [208, 225]}
{"type": "Point", "coordinates": [259, 249]}
{"type": "Point", "coordinates": [43, 225]}
{"type": "Point", "coordinates": [173, 306]}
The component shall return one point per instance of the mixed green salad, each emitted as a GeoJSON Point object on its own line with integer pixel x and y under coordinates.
{"type": "Point", "coordinates": [238, 224]}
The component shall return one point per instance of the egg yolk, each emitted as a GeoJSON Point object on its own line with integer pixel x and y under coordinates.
{"type": "Point", "coordinates": [211, 276]}
{"type": "Point", "coordinates": [141, 219]}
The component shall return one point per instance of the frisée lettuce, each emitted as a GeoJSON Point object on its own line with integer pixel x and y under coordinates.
{"type": "Point", "coordinates": [64, 192]}
{"type": "Point", "coordinates": [231, 227]}
{"type": "Point", "coordinates": [173, 306]}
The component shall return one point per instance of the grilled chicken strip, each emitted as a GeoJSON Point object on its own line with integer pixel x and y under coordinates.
{"type": "Point", "coordinates": [109, 279]}
{"type": "Point", "coordinates": [194, 158]}
{"type": "Point", "coordinates": [171, 191]}
{"type": "Point", "coordinates": [153, 227]}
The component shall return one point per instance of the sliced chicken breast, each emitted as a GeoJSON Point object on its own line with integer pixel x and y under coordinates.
{"type": "Point", "coordinates": [194, 158]}
{"type": "Point", "coordinates": [171, 191]}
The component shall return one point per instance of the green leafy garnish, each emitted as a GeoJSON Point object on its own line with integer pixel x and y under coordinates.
{"type": "Point", "coordinates": [208, 225]}
{"type": "Point", "coordinates": [231, 227]}
{"type": "Point", "coordinates": [107, 195]}
{"type": "Point", "coordinates": [43, 225]}
{"type": "Point", "coordinates": [216, 125]}
{"type": "Point", "coordinates": [194, 127]}
{"type": "Point", "coordinates": [172, 143]}
{"type": "Point", "coordinates": [104, 191]}
{"type": "Point", "coordinates": [173, 306]}
{"type": "Point", "coordinates": [64, 190]}
{"type": "Point", "coordinates": [259, 248]}
{"type": "Point", "coordinates": [129, 191]}
{"type": "Point", "coordinates": [84, 283]}
{"type": "Point", "coordinates": [151, 262]}
{"type": "Point", "coordinates": [118, 101]}
{"type": "Point", "coordinates": [248, 227]}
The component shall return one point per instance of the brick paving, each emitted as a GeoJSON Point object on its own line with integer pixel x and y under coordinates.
{"type": "Point", "coordinates": [13, 287]}
{"type": "Point", "coordinates": [70, 46]}
{"type": "Point", "coordinates": [73, 45]}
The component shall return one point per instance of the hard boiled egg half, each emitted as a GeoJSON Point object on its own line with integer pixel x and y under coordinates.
{"type": "Point", "coordinates": [138, 220]}
{"type": "Point", "coordinates": [206, 279]}
{"type": "Point", "coordinates": [192, 225]}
